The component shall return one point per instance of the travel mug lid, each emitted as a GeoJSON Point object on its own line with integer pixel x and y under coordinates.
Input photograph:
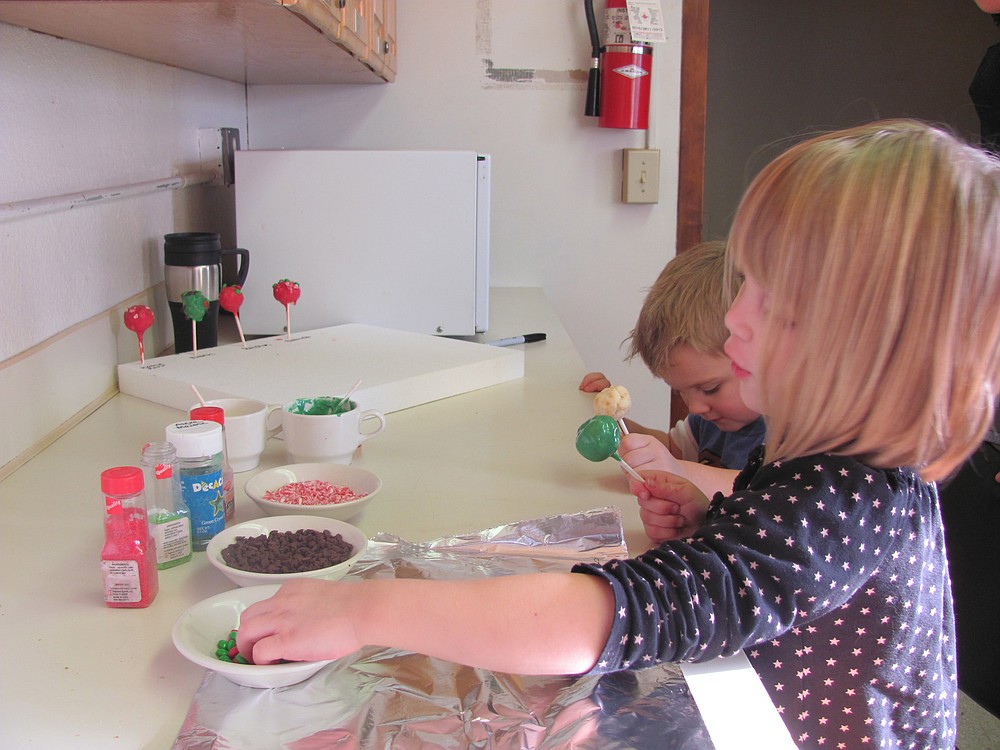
{"type": "Point", "coordinates": [192, 249]}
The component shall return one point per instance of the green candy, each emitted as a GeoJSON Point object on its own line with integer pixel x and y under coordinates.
{"type": "Point", "coordinates": [597, 439]}
{"type": "Point", "coordinates": [195, 304]}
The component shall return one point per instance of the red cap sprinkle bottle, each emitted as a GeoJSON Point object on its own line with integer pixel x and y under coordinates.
{"type": "Point", "coordinates": [128, 559]}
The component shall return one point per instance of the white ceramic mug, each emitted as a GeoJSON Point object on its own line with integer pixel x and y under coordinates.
{"type": "Point", "coordinates": [249, 423]}
{"type": "Point", "coordinates": [326, 437]}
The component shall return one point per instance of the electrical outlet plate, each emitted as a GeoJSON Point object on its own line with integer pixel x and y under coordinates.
{"type": "Point", "coordinates": [640, 175]}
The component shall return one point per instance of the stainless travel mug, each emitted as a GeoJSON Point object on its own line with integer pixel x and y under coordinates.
{"type": "Point", "coordinates": [193, 262]}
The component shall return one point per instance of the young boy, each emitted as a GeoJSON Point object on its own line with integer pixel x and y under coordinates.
{"type": "Point", "coordinates": [679, 334]}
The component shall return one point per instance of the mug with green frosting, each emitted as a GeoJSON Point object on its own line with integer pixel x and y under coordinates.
{"type": "Point", "coordinates": [327, 428]}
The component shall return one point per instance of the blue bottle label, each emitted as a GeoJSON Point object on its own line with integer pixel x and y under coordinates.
{"type": "Point", "coordinates": [205, 496]}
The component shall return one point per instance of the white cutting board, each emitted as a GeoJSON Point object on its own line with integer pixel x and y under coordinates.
{"type": "Point", "coordinates": [397, 369]}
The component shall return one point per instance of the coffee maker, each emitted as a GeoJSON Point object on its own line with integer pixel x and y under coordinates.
{"type": "Point", "coordinates": [193, 262]}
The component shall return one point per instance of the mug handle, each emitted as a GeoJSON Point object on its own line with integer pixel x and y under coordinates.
{"type": "Point", "coordinates": [271, 409]}
{"type": "Point", "coordinates": [371, 414]}
{"type": "Point", "coordinates": [241, 274]}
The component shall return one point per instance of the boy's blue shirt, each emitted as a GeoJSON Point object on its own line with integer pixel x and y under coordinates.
{"type": "Point", "coordinates": [728, 450]}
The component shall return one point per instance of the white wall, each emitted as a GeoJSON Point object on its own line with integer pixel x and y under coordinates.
{"type": "Point", "coordinates": [76, 118]}
{"type": "Point", "coordinates": [558, 222]}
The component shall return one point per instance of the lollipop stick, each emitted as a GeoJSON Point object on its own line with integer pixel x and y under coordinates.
{"type": "Point", "coordinates": [194, 336]}
{"type": "Point", "coordinates": [350, 393]}
{"type": "Point", "coordinates": [197, 393]}
{"type": "Point", "coordinates": [142, 352]}
{"type": "Point", "coordinates": [240, 329]}
{"type": "Point", "coordinates": [288, 322]}
{"type": "Point", "coordinates": [632, 472]}
{"type": "Point", "coordinates": [621, 423]}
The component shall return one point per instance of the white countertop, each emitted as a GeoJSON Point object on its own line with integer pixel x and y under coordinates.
{"type": "Point", "coordinates": [79, 674]}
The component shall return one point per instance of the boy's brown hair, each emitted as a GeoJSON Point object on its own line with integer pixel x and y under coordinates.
{"type": "Point", "coordinates": [686, 305]}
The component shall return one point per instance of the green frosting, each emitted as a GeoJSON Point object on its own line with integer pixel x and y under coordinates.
{"type": "Point", "coordinates": [321, 406]}
{"type": "Point", "coordinates": [195, 305]}
{"type": "Point", "coordinates": [598, 438]}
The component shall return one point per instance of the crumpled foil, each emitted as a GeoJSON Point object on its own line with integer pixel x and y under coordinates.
{"type": "Point", "coordinates": [386, 698]}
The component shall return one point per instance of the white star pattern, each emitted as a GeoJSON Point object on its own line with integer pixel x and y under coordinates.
{"type": "Point", "coordinates": [842, 584]}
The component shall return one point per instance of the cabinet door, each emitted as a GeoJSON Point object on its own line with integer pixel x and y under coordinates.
{"type": "Point", "coordinates": [355, 27]}
{"type": "Point", "coordinates": [384, 35]}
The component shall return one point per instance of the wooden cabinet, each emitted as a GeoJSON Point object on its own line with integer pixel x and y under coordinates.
{"type": "Point", "coordinates": [251, 41]}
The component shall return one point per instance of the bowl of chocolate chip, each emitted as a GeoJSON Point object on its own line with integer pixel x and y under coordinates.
{"type": "Point", "coordinates": [314, 489]}
{"type": "Point", "coordinates": [278, 548]}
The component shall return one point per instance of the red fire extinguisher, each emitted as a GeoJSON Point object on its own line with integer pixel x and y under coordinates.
{"type": "Point", "coordinates": [618, 86]}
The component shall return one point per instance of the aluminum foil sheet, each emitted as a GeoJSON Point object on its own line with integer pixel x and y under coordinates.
{"type": "Point", "coordinates": [385, 698]}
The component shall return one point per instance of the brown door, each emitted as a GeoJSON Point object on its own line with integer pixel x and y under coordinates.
{"type": "Point", "coordinates": [691, 165]}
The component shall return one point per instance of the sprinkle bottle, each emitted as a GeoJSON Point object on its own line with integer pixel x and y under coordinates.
{"type": "Point", "coordinates": [128, 558]}
{"type": "Point", "coordinates": [199, 467]}
{"type": "Point", "coordinates": [217, 414]}
{"type": "Point", "coordinates": [169, 517]}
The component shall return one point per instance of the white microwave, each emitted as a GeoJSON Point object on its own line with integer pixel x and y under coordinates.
{"type": "Point", "coordinates": [397, 239]}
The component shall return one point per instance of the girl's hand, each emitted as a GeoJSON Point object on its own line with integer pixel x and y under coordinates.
{"type": "Point", "coordinates": [308, 619]}
{"type": "Point", "coordinates": [670, 506]}
{"type": "Point", "coordinates": [594, 382]}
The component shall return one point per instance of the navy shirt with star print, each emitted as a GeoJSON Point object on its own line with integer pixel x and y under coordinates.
{"type": "Point", "coordinates": [832, 577]}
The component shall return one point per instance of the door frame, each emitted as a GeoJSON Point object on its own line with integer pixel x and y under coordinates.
{"type": "Point", "coordinates": [691, 154]}
{"type": "Point", "coordinates": [693, 106]}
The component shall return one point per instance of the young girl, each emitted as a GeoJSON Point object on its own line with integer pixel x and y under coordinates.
{"type": "Point", "coordinates": [866, 332]}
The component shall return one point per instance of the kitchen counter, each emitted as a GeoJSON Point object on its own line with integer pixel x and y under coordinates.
{"type": "Point", "coordinates": [79, 674]}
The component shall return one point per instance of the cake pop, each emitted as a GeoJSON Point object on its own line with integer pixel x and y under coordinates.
{"type": "Point", "coordinates": [230, 299]}
{"type": "Point", "coordinates": [597, 439]}
{"type": "Point", "coordinates": [614, 401]}
{"type": "Point", "coordinates": [287, 292]}
{"type": "Point", "coordinates": [195, 305]}
{"type": "Point", "coordinates": [137, 319]}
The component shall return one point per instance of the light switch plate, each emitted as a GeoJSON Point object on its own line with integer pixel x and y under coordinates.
{"type": "Point", "coordinates": [640, 175]}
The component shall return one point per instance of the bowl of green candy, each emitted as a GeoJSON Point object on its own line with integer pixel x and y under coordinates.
{"type": "Point", "coordinates": [203, 633]}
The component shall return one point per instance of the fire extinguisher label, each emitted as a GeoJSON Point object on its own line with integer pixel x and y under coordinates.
{"type": "Point", "coordinates": [631, 71]}
{"type": "Point", "coordinates": [645, 20]}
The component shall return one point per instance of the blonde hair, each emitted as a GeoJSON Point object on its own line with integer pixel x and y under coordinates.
{"type": "Point", "coordinates": [881, 245]}
{"type": "Point", "coordinates": [686, 305]}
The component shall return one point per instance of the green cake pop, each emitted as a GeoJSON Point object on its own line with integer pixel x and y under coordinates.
{"type": "Point", "coordinates": [195, 305]}
{"type": "Point", "coordinates": [597, 439]}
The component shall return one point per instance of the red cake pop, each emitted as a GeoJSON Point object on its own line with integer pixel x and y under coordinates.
{"type": "Point", "coordinates": [137, 319]}
{"type": "Point", "coordinates": [230, 298]}
{"type": "Point", "coordinates": [287, 292]}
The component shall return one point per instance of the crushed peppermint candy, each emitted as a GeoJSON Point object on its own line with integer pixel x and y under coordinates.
{"type": "Point", "coordinates": [313, 492]}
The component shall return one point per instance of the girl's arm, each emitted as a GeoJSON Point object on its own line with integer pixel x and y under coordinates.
{"type": "Point", "coordinates": [552, 623]}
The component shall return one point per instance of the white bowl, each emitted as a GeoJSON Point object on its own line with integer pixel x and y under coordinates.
{"type": "Point", "coordinates": [227, 536]}
{"type": "Point", "coordinates": [197, 632]}
{"type": "Point", "coordinates": [361, 481]}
